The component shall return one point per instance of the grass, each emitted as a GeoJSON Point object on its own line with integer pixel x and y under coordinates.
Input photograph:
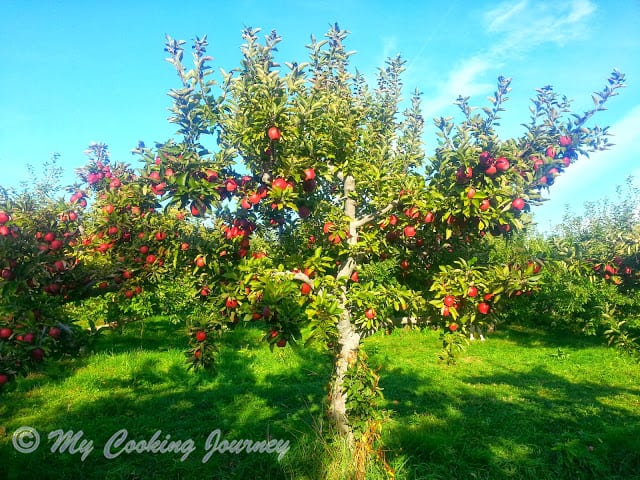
{"type": "Point", "coordinates": [522, 405]}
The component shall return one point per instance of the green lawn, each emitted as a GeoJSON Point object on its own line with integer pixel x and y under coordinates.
{"type": "Point", "coordinates": [520, 405]}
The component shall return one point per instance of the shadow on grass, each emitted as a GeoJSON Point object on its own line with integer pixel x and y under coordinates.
{"type": "Point", "coordinates": [531, 424]}
{"type": "Point", "coordinates": [531, 336]}
{"type": "Point", "coordinates": [242, 400]}
{"type": "Point", "coordinates": [535, 425]}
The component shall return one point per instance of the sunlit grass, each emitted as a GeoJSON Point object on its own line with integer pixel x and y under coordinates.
{"type": "Point", "coordinates": [521, 405]}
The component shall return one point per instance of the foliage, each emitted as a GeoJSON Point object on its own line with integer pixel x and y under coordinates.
{"type": "Point", "coordinates": [589, 272]}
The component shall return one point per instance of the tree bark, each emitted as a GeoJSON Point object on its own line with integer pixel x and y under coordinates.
{"type": "Point", "coordinates": [348, 337]}
{"type": "Point", "coordinates": [349, 341]}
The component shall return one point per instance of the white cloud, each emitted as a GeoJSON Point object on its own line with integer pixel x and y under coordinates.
{"type": "Point", "coordinates": [501, 15]}
{"type": "Point", "coordinates": [517, 29]}
{"type": "Point", "coordinates": [529, 24]}
{"type": "Point", "coordinates": [462, 80]}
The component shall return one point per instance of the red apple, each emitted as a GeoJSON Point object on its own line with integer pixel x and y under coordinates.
{"type": "Point", "coordinates": [305, 289]}
{"type": "Point", "coordinates": [274, 134]}
{"type": "Point", "coordinates": [309, 174]}
{"type": "Point", "coordinates": [449, 300]}
{"type": "Point", "coordinates": [231, 302]}
{"type": "Point", "coordinates": [412, 212]}
{"type": "Point", "coordinates": [279, 183]}
{"type": "Point", "coordinates": [483, 308]}
{"type": "Point", "coordinates": [4, 217]}
{"type": "Point", "coordinates": [7, 274]}
{"type": "Point", "coordinates": [485, 204]}
{"type": "Point", "coordinates": [355, 277]}
{"type": "Point", "coordinates": [49, 237]}
{"type": "Point", "coordinates": [3, 379]}
{"type": "Point", "coordinates": [370, 313]}
{"type": "Point", "coordinates": [28, 338]}
{"type": "Point", "coordinates": [491, 170]}
{"type": "Point", "coordinates": [309, 185]}
{"type": "Point", "coordinates": [55, 332]}
{"type": "Point", "coordinates": [160, 236]}
{"type": "Point", "coordinates": [231, 185]}
{"type": "Point", "coordinates": [282, 342]}
{"type": "Point", "coordinates": [502, 164]}
{"type": "Point", "coordinates": [565, 141]}
{"type": "Point", "coordinates": [5, 333]}
{"type": "Point", "coordinates": [304, 211]}
{"type": "Point", "coordinates": [108, 209]}
{"type": "Point", "coordinates": [453, 327]}
{"type": "Point", "coordinates": [472, 291]}
{"type": "Point", "coordinates": [429, 217]}
{"type": "Point", "coordinates": [201, 336]}
{"type": "Point", "coordinates": [150, 258]}
{"type": "Point", "coordinates": [518, 204]}
{"type": "Point", "coordinates": [550, 152]}
{"type": "Point", "coordinates": [255, 198]}
{"type": "Point", "coordinates": [537, 162]}
{"type": "Point", "coordinates": [485, 159]}
{"type": "Point", "coordinates": [200, 261]}
{"type": "Point", "coordinates": [410, 231]}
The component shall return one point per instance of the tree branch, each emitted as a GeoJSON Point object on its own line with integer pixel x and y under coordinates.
{"type": "Point", "coordinates": [372, 216]}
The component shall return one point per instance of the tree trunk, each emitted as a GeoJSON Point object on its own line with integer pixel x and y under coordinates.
{"type": "Point", "coordinates": [349, 341]}
{"type": "Point", "coordinates": [348, 337]}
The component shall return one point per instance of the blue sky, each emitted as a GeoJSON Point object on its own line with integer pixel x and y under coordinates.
{"type": "Point", "coordinates": [73, 72]}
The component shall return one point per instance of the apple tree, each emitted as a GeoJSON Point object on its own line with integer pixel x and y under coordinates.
{"type": "Point", "coordinates": [330, 219]}
{"type": "Point", "coordinates": [38, 233]}
{"type": "Point", "coordinates": [590, 280]}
